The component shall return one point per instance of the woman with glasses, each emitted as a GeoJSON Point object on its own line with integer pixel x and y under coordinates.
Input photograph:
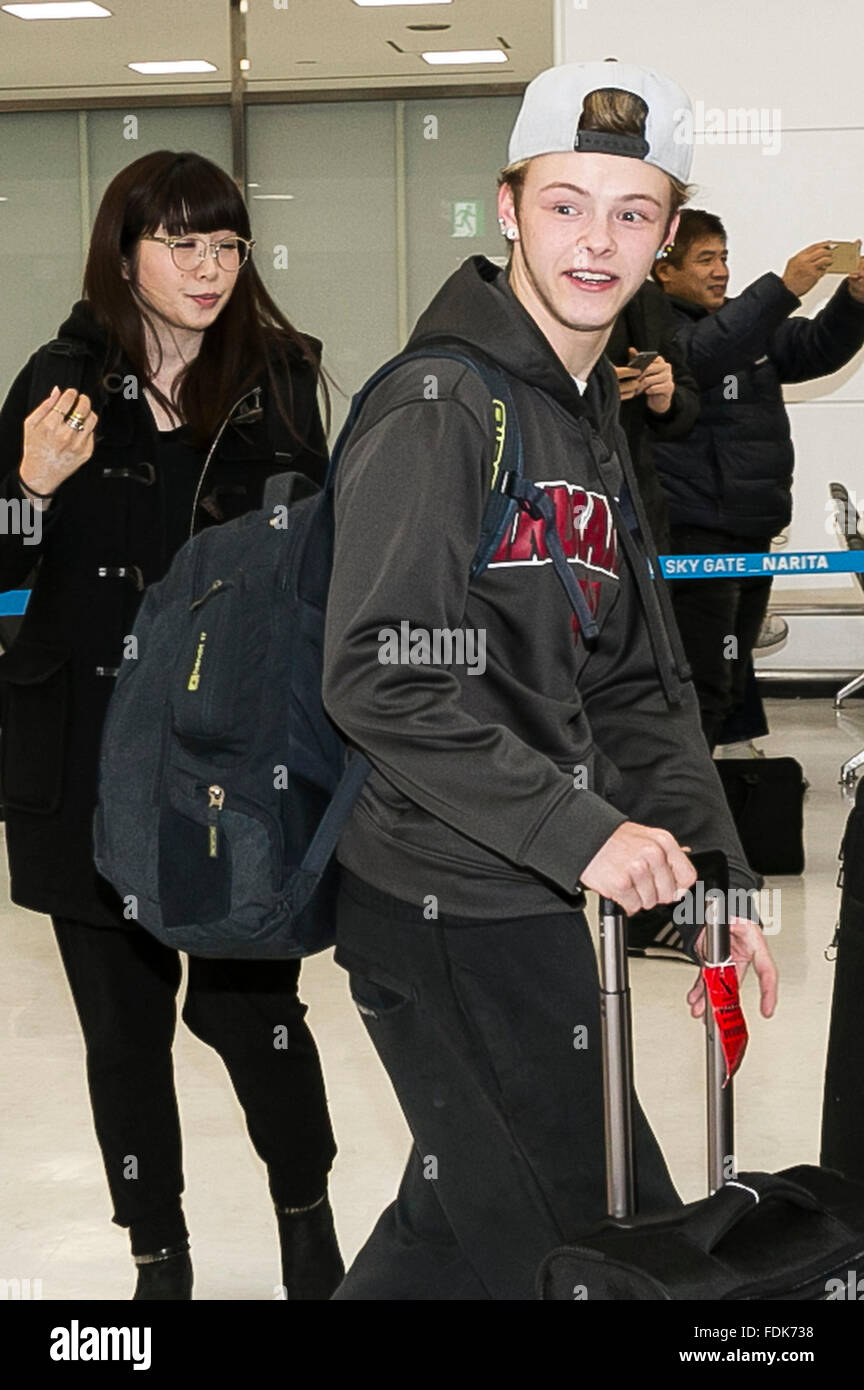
{"type": "Point", "coordinates": [175, 388]}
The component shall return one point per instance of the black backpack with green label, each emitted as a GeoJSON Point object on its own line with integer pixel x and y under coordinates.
{"type": "Point", "coordinates": [223, 783]}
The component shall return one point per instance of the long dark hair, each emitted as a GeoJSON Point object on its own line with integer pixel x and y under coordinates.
{"type": "Point", "coordinates": [184, 193]}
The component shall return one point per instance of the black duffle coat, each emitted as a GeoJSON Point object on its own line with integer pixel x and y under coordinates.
{"type": "Point", "coordinates": [105, 538]}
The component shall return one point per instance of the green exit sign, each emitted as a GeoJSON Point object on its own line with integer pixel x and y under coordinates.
{"type": "Point", "coordinates": [468, 218]}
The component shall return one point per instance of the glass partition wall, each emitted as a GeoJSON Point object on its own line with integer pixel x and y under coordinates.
{"type": "Point", "coordinates": [359, 209]}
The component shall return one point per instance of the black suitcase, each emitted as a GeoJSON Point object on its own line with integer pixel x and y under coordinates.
{"type": "Point", "coordinates": [795, 1235]}
{"type": "Point", "coordinates": [843, 1102]}
{"type": "Point", "coordinates": [766, 798]}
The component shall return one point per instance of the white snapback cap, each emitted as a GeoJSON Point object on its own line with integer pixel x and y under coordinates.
{"type": "Point", "coordinates": [552, 105]}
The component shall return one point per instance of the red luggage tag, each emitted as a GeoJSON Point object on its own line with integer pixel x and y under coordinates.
{"type": "Point", "coordinates": [721, 984]}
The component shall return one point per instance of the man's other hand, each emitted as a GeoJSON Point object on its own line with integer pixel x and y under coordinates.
{"type": "Point", "coordinates": [856, 282]}
{"type": "Point", "coordinates": [747, 945]}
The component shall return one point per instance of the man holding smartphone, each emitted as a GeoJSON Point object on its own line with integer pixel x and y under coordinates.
{"type": "Point", "coordinates": [495, 800]}
{"type": "Point", "coordinates": [729, 483]}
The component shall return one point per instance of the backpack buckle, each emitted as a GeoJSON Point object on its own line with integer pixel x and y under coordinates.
{"type": "Point", "coordinates": [143, 473]}
{"type": "Point", "coordinates": [122, 572]}
{"type": "Point", "coordinates": [532, 499]}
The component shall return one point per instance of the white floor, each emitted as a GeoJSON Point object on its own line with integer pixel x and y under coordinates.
{"type": "Point", "coordinates": [54, 1213]}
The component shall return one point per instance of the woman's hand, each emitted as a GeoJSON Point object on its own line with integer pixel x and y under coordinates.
{"type": "Point", "coordinates": [747, 944]}
{"type": "Point", "coordinates": [54, 449]}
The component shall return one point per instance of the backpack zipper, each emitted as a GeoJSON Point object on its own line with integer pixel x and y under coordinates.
{"type": "Point", "coordinates": [214, 588]}
{"type": "Point", "coordinates": [214, 806]}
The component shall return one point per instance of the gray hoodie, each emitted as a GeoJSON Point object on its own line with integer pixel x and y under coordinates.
{"type": "Point", "coordinates": [491, 791]}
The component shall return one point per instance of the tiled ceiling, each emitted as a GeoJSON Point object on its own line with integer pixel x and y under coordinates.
{"type": "Point", "coordinates": [293, 45]}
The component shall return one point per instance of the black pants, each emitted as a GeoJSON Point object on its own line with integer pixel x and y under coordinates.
{"type": "Point", "coordinates": [480, 1029]}
{"type": "Point", "coordinates": [746, 719]}
{"type": "Point", "coordinates": [124, 984]}
{"type": "Point", "coordinates": [710, 612]}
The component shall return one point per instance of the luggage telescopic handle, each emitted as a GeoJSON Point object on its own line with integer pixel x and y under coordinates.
{"type": "Point", "coordinates": [617, 1032]}
{"type": "Point", "coordinates": [721, 1119]}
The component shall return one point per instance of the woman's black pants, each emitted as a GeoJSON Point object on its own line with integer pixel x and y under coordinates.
{"type": "Point", "coordinates": [124, 984]}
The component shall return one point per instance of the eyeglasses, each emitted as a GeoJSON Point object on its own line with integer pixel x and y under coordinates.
{"type": "Point", "coordinates": [188, 252]}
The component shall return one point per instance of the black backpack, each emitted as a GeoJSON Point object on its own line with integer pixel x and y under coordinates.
{"type": "Point", "coordinates": [65, 362]}
{"type": "Point", "coordinates": [223, 785]}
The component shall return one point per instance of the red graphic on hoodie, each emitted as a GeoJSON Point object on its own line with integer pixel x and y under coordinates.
{"type": "Point", "coordinates": [587, 532]}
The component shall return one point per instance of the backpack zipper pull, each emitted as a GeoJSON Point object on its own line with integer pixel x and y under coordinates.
{"type": "Point", "coordinates": [216, 802]}
{"type": "Point", "coordinates": [214, 587]}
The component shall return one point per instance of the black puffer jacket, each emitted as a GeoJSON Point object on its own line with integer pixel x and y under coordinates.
{"type": "Point", "coordinates": [734, 471]}
{"type": "Point", "coordinates": [111, 515]}
{"type": "Point", "coordinates": [649, 324]}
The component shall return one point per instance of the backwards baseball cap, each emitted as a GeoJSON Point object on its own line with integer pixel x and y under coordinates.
{"type": "Point", "coordinates": [552, 105]}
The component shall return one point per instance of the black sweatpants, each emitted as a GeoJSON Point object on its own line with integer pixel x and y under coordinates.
{"type": "Point", "coordinates": [124, 984]}
{"type": "Point", "coordinates": [490, 1033]}
{"type": "Point", "coordinates": [711, 611]}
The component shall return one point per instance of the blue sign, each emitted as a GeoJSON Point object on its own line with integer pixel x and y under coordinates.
{"type": "Point", "coordinates": [757, 564]}
{"type": "Point", "coordinates": [13, 602]}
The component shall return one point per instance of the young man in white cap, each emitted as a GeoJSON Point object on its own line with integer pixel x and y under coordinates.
{"type": "Point", "coordinates": [575, 759]}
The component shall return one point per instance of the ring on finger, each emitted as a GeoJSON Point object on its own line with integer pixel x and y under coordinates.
{"type": "Point", "coordinates": [76, 420]}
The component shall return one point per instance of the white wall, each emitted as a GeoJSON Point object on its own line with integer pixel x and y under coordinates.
{"type": "Point", "coordinates": [783, 56]}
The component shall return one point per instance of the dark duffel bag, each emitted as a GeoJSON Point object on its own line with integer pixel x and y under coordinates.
{"type": "Point", "coordinates": [766, 798]}
{"type": "Point", "coordinates": [843, 1104]}
{"type": "Point", "coordinates": [794, 1235]}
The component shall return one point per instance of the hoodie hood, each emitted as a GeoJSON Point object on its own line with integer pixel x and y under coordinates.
{"type": "Point", "coordinates": [477, 308]}
{"type": "Point", "coordinates": [83, 324]}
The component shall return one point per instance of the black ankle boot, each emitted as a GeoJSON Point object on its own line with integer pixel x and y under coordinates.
{"type": "Point", "coordinates": [164, 1274]}
{"type": "Point", "coordinates": [312, 1267]}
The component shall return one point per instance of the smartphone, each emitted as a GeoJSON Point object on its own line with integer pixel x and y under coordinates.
{"type": "Point", "coordinates": [642, 360]}
{"type": "Point", "coordinates": [844, 258]}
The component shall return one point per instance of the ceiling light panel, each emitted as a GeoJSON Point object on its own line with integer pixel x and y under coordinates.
{"type": "Point", "coordinates": [75, 9]}
{"type": "Point", "coordinates": [181, 65]}
{"type": "Point", "coordinates": [466, 55]}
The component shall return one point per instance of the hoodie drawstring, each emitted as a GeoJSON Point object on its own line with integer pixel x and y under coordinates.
{"type": "Point", "coordinates": [662, 631]}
